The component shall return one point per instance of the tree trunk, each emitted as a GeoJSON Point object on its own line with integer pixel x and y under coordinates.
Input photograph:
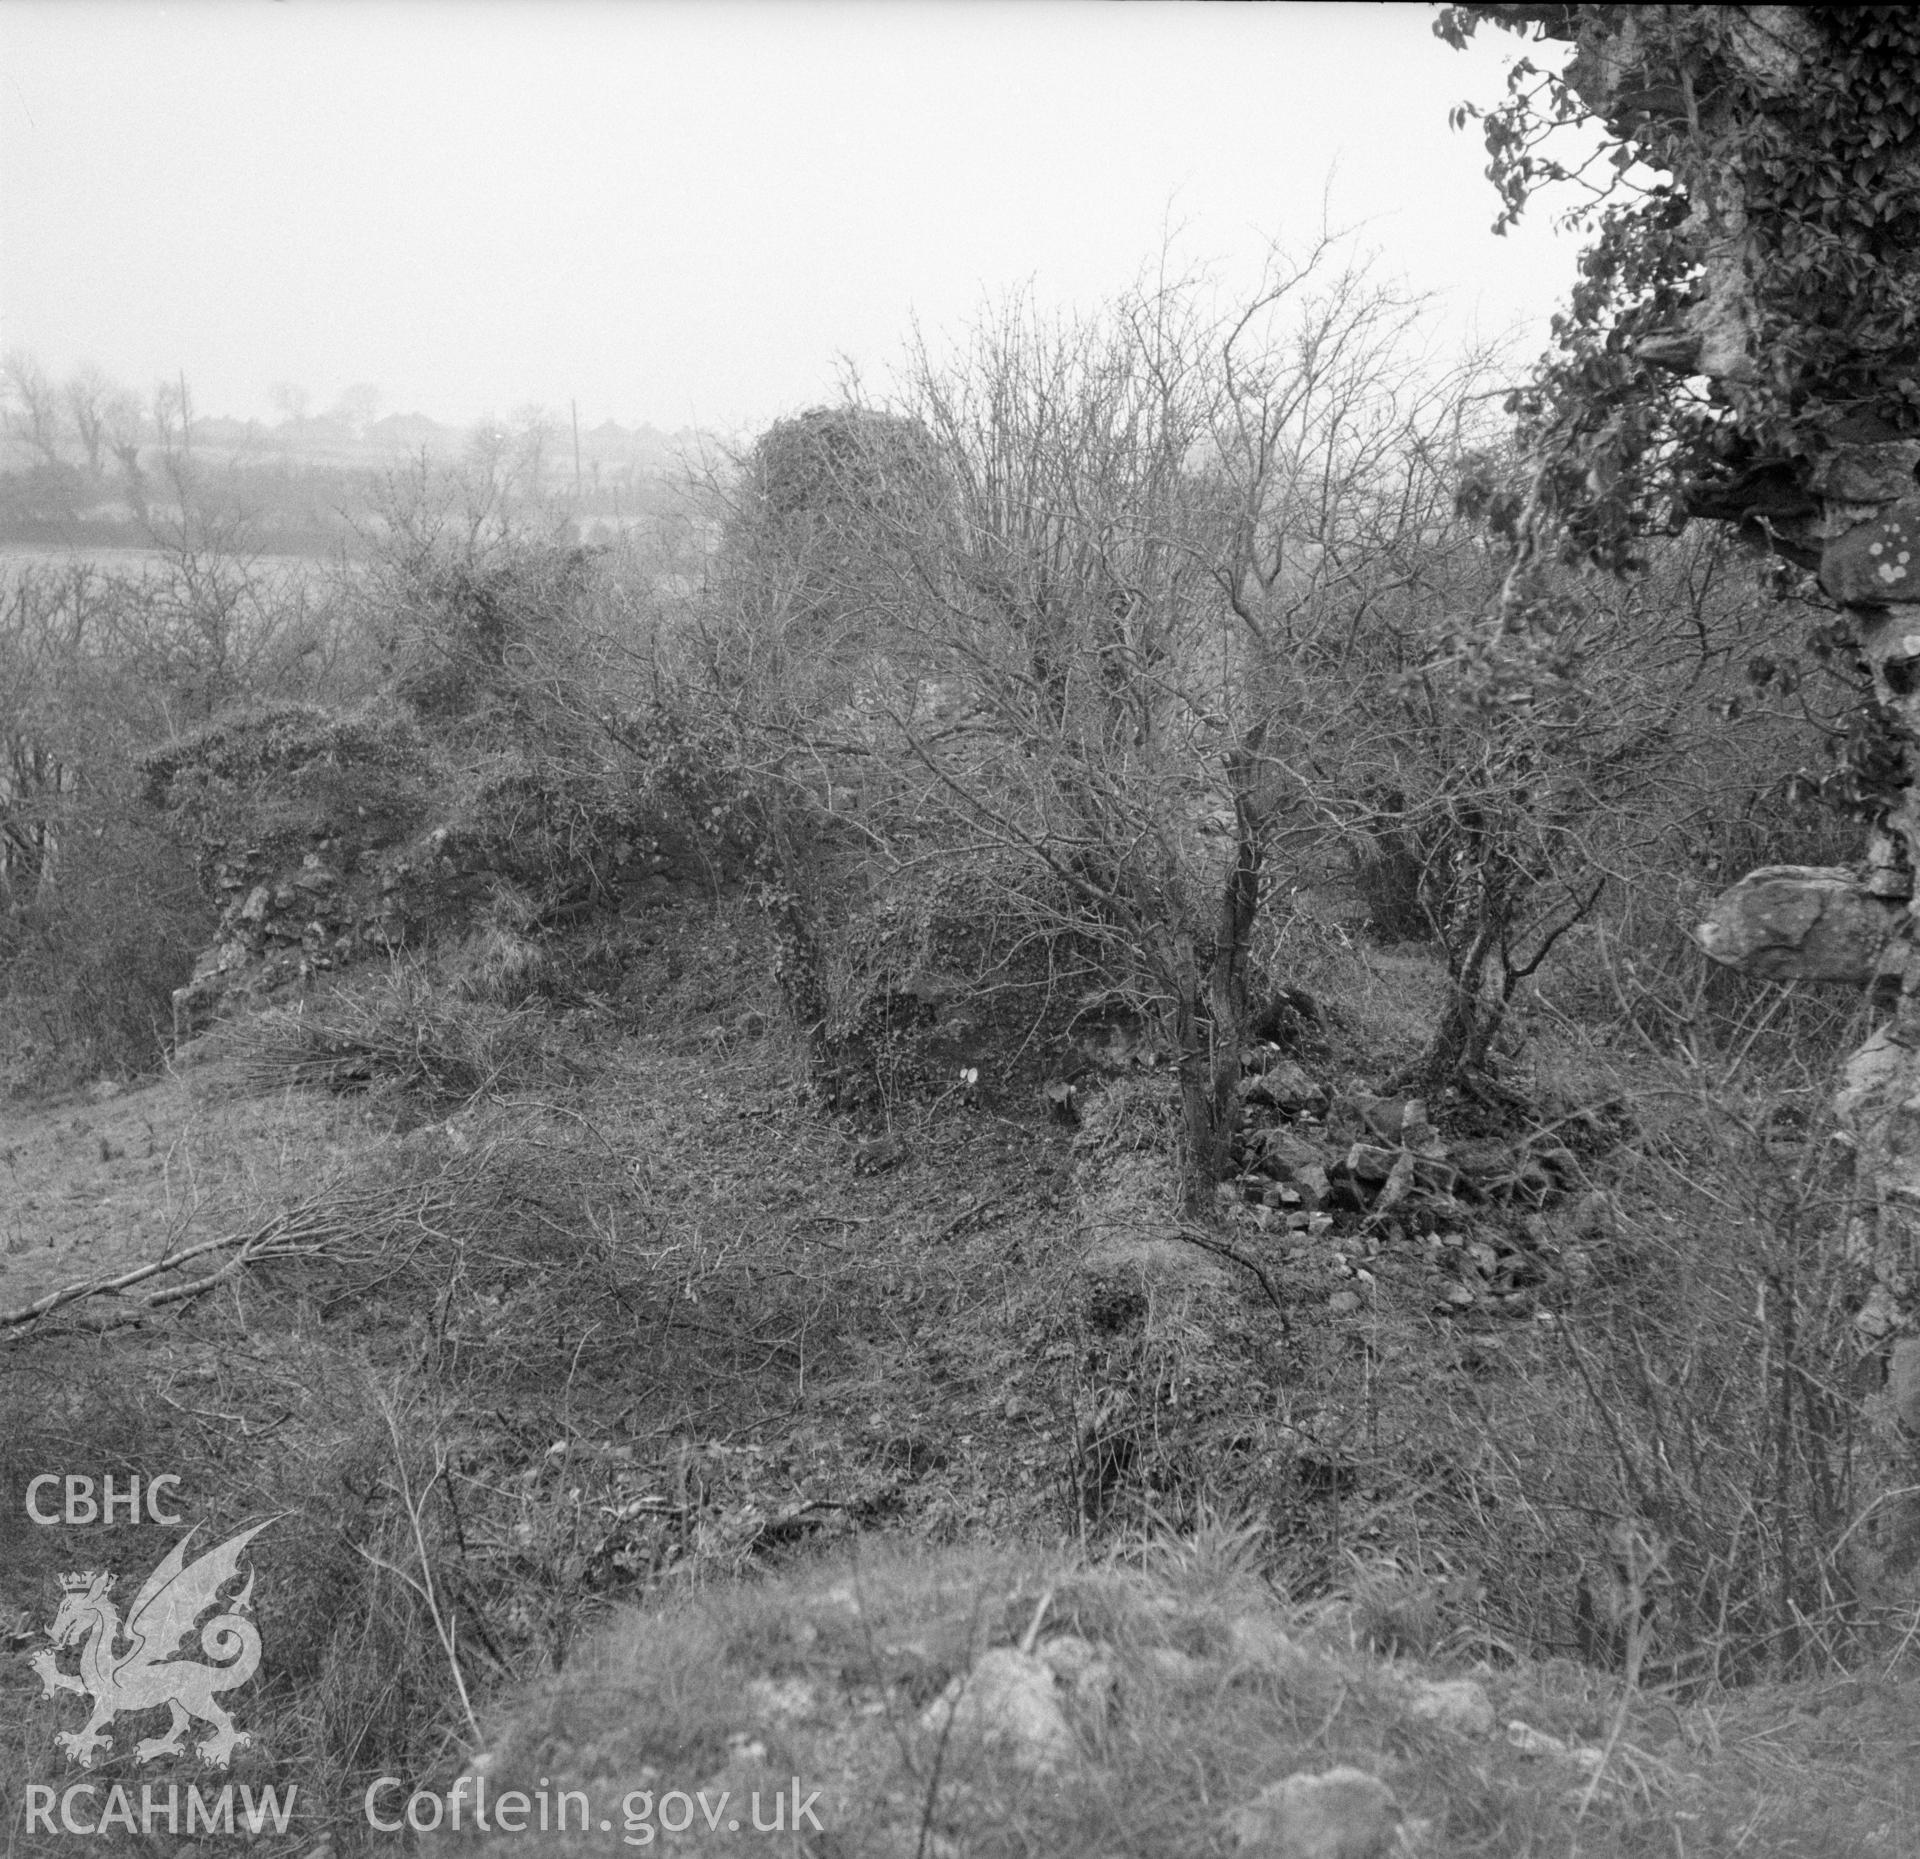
{"type": "Point", "coordinates": [1199, 1123]}
{"type": "Point", "coordinates": [1468, 1021]}
{"type": "Point", "coordinates": [1454, 1038]}
{"type": "Point", "coordinates": [136, 482]}
{"type": "Point", "coordinates": [799, 968]}
{"type": "Point", "coordinates": [1210, 1007]}
{"type": "Point", "coordinates": [799, 961]}
{"type": "Point", "coordinates": [1227, 970]}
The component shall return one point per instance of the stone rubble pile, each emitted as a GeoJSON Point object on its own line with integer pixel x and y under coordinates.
{"type": "Point", "coordinates": [1312, 1163]}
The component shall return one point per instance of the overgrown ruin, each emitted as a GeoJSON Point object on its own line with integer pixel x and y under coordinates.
{"type": "Point", "coordinates": [1753, 335]}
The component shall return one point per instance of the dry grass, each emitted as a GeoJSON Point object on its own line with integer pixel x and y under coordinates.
{"type": "Point", "coordinates": [406, 1033]}
{"type": "Point", "coordinates": [590, 1329]}
{"type": "Point", "coordinates": [1194, 1689]}
{"type": "Point", "coordinates": [647, 1330]}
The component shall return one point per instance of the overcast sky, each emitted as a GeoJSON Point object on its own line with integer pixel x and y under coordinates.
{"type": "Point", "coordinates": [688, 213]}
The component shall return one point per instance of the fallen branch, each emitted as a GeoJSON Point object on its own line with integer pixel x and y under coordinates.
{"type": "Point", "coordinates": [251, 1246]}
{"type": "Point", "coordinates": [297, 1232]}
{"type": "Point", "coordinates": [960, 1219]}
{"type": "Point", "coordinates": [1194, 1236]}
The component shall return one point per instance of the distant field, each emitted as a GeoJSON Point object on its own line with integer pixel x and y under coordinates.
{"type": "Point", "coordinates": [317, 554]}
{"type": "Point", "coordinates": [279, 576]}
{"type": "Point", "coordinates": [115, 560]}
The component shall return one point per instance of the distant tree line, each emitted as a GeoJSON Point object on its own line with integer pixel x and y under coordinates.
{"type": "Point", "coordinates": [86, 461]}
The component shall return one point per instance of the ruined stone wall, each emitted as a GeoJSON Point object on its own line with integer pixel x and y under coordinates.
{"type": "Point", "coordinates": [1853, 507]}
{"type": "Point", "coordinates": [325, 839]}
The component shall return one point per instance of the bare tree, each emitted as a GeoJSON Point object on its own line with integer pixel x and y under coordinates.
{"type": "Point", "coordinates": [1099, 664]}
{"type": "Point", "coordinates": [1524, 748]}
{"type": "Point", "coordinates": [503, 469]}
{"type": "Point", "coordinates": [87, 392]}
{"type": "Point", "coordinates": [172, 416]}
{"type": "Point", "coordinates": [207, 614]}
{"type": "Point", "coordinates": [32, 407]}
{"type": "Point", "coordinates": [123, 425]}
{"type": "Point", "coordinates": [534, 433]}
{"type": "Point", "coordinates": [42, 631]}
